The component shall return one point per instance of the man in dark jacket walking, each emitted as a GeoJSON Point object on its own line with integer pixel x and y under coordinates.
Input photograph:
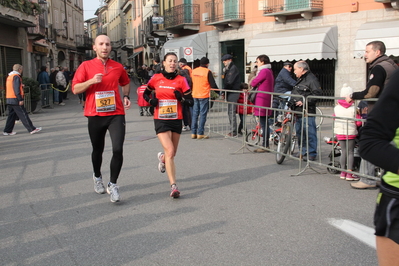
{"type": "Point", "coordinates": [381, 68]}
{"type": "Point", "coordinates": [307, 85]}
{"type": "Point", "coordinates": [231, 81]}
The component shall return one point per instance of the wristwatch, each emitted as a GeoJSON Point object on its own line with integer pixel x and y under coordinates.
{"type": "Point", "coordinates": [126, 96]}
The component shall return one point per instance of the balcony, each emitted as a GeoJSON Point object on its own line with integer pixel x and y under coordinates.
{"type": "Point", "coordinates": [83, 42]}
{"type": "Point", "coordinates": [222, 13]}
{"type": "Point", "coordinates": [282, 8]}
{"type": "Point", "coordinates": [39, 31]}
{"type": "Point", "coordinates": [185, 16]}
{"type": "Point", "coordinates": [127, 44]}
{"type": "Point", "coordinates": [19, 13]}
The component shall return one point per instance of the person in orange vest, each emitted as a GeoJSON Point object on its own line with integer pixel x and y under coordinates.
{"type": "Point", "coordinates": [15, 102]}
{"type": "Point", "coordinates": [183, 65]}
{"type": "Point", "coordinates": [203, 81]}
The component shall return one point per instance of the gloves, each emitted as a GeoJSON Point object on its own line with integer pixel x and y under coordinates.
{"type": "Point", "coordinates": [153, 102]}
{"type": "Point", "coordinates": [178, 95]}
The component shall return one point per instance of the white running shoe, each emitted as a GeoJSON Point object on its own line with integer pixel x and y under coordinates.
{"type": "Point", "coordinates": [9, 134]}
{"type": "Point", "coordinates": [161, 164]}
{"type": "Point", "coordinates": [98, 185]}
{"type": "Point", "coordinates": [36, 130]}
{"type": "Point", "coordinates": [113, 190]}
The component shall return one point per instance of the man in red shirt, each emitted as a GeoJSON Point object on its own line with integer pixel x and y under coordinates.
{"type": "Point", "coordinates": [100, 79]}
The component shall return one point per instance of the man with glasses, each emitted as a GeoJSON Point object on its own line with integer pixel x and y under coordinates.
{"type": "Point", "coordinates": [284, 83]}
{"type": "Point", "coordinates": [306, 85]}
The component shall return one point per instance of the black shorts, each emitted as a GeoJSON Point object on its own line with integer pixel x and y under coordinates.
{"type": "Point", "coordinates": [386, 217]}
{"type": "Point", "coordinates": [174, 125]}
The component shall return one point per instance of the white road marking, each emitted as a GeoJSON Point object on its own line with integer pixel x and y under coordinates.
{"type": "Point", "coordinates": [359, 231]}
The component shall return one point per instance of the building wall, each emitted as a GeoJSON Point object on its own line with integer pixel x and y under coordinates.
{"type": "Point", "coordinates": [348, 69]}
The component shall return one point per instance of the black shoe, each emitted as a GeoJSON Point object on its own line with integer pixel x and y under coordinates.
{"type": "Point", "coordinates": [311, 158]}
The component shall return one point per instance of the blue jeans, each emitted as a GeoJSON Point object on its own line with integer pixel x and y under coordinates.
{"type": "Point", "coordinates": [200, 109]}
{"type": "Point", "coordinates": [310, 122]}
{"type": "Point", "coordinates": [265, 128]}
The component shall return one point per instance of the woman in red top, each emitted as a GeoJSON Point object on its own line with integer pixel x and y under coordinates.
{"type": "Point", "coordinates": [170, 91]}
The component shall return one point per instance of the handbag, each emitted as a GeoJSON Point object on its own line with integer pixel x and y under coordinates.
{"type": "Point", "coordinates": [252, 95]}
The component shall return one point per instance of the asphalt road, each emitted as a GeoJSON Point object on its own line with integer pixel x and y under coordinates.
{"type": "Point", "coordinates": [236, 207]}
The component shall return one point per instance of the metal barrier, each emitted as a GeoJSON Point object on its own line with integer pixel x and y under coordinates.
{"type": "Point", "coordinates": [218, 123]}
{"type": "Point", "coordinates": [3, 106]}
{"type": "Point", "coordinates": [47, 95]}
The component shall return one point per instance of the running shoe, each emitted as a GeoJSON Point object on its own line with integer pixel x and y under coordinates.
{"type": "Point", "coordinates": [98, 185]}
{"type": "Point", "coordinates": [174, 191]}
{"type": "Point", "coordinates": [161, 164]}
{"type": "Point", "coordinates": [113, 190]}
{"type": "Point", "coordinates": [36, 130]}
{"type": "Point", "coordinates": [9, 134]}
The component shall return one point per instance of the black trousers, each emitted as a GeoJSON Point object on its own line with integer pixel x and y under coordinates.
{"type": "Point", "coordinates": [15, 112]}
{"type": "Point", "coordinates": [98, 126]}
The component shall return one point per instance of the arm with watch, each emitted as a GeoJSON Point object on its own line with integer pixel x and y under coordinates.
{"type": "Point", "coordinates": [126, 98]}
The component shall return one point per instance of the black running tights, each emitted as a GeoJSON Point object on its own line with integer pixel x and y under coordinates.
{"type": "Point", "coordinates": [98, 126]}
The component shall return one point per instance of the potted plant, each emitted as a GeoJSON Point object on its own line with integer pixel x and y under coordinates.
{"type": "Point", "coordinates": [32, 87]}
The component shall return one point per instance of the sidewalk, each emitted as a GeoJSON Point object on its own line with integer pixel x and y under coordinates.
{"type": "Point", "coordinates": [236, 207]}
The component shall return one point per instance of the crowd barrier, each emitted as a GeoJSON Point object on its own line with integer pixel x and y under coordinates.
{"type": "Point", "coordinates": [327, 157]}
{"type": "Point", "coordinates": [47, 95]}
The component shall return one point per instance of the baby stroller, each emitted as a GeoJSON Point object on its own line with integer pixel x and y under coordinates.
{"type": "Point", "coordinates": [336, 153]}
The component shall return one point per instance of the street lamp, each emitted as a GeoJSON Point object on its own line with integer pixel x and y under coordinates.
{"type": "Point", "coordinates": [155, 9]}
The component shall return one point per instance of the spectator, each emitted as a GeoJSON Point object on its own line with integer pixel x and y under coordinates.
{"type": "Point", "coordinates": [241, 109]}
{"type": "Point", "coordinates": [284, 83]}
{"type": "Point", "coordinates": [15, 103]}
{"type": "Point", "coordinates": [185, 71]}
{"type": "Point", "coordinates": [183, 65]}
{"type": "Point", "coordinates": [379, 144]}
{"type": "Point", "coordinates": [264, 80]}
{"type": "Point", "coordinates": [44, 82]}
{"type": "Point", "coordinates": [306, 85]}
{"type": "Point", "coordinates": [203, 82]}
{"type": "Point", "coordinates": [346, 133]}
{"type": "Point", "coordinates": [381, 68]}
{"type": "Point", "coordinates": [231, 81]}
{"type": "Point", "coordinates": [61, 85]}
{"type": "Point", "coordinates": [68, 79]}
{"type": "Point", "coordinates": [157, 64]}
{"type": "Point", "coordinates": [54, 85]}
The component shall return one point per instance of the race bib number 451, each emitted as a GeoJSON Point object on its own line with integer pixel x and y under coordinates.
{"type": "Point", "coordinates": [105, 101]}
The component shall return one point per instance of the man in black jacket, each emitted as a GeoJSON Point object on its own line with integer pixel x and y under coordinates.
{"type": "Point", "coordinates": [381, 68]}
{"type": "Point", "coordinates": [306, 85]}
{"type": "Point", "coordinates": [231, 81]}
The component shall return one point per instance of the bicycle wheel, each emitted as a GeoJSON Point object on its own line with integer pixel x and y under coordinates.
{"type": "Point", "coordinates": [253, 138]}
{"type": "Point", "coordinates": [319, 119]}
{"type": "Point", "coordinates": [284, 143]}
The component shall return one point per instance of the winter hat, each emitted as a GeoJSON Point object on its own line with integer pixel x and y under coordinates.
{"type": "Point", "coordinates": [345, 91]}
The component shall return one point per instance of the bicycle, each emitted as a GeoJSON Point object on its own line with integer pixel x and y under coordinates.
{"type": "Point", "coordinates": [253, 137]}
{"type": "Point", "coordinates": [286, 136]}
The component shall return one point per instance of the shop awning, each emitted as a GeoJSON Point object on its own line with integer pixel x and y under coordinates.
{"type": "Point", "coordinates": [386, 31]}
{"type": "Point", "coordinates": [134, 55]}
{"type": "Point", "coordinates": [299, 44]}
{"type": "Point", "coordinates": [198, 42]}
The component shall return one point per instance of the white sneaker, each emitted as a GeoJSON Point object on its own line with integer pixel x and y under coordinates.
{"type": "Point", "coordinates": [161, 164]}
{"type": "Point", "coordinates": [113, 190]}
{"type": "Point", "coordinates": [9, 134]}
{"type": "Point", "coordinates": [98, 185]}
{"type": "Point", "coordinates": [61, 103]}
{"type": "Point", "coordinates": [36, 130]}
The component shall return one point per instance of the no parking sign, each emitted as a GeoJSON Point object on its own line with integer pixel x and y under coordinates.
{"type": "Point", "coordinates": [188, 53]}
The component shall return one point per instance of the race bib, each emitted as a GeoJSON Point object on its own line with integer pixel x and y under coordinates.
{"type": "Point", "coordinates": [167, 109]}
{"type": "Point", "coordinates": [105, 101]}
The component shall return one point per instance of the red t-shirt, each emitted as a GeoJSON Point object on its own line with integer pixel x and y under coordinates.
{"type": "Point", "coordinates": [102, 99]}
{"type": "Point", "coordinates": [168, 106]}
{"type": "Point", "coordinates": [140, 96]}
